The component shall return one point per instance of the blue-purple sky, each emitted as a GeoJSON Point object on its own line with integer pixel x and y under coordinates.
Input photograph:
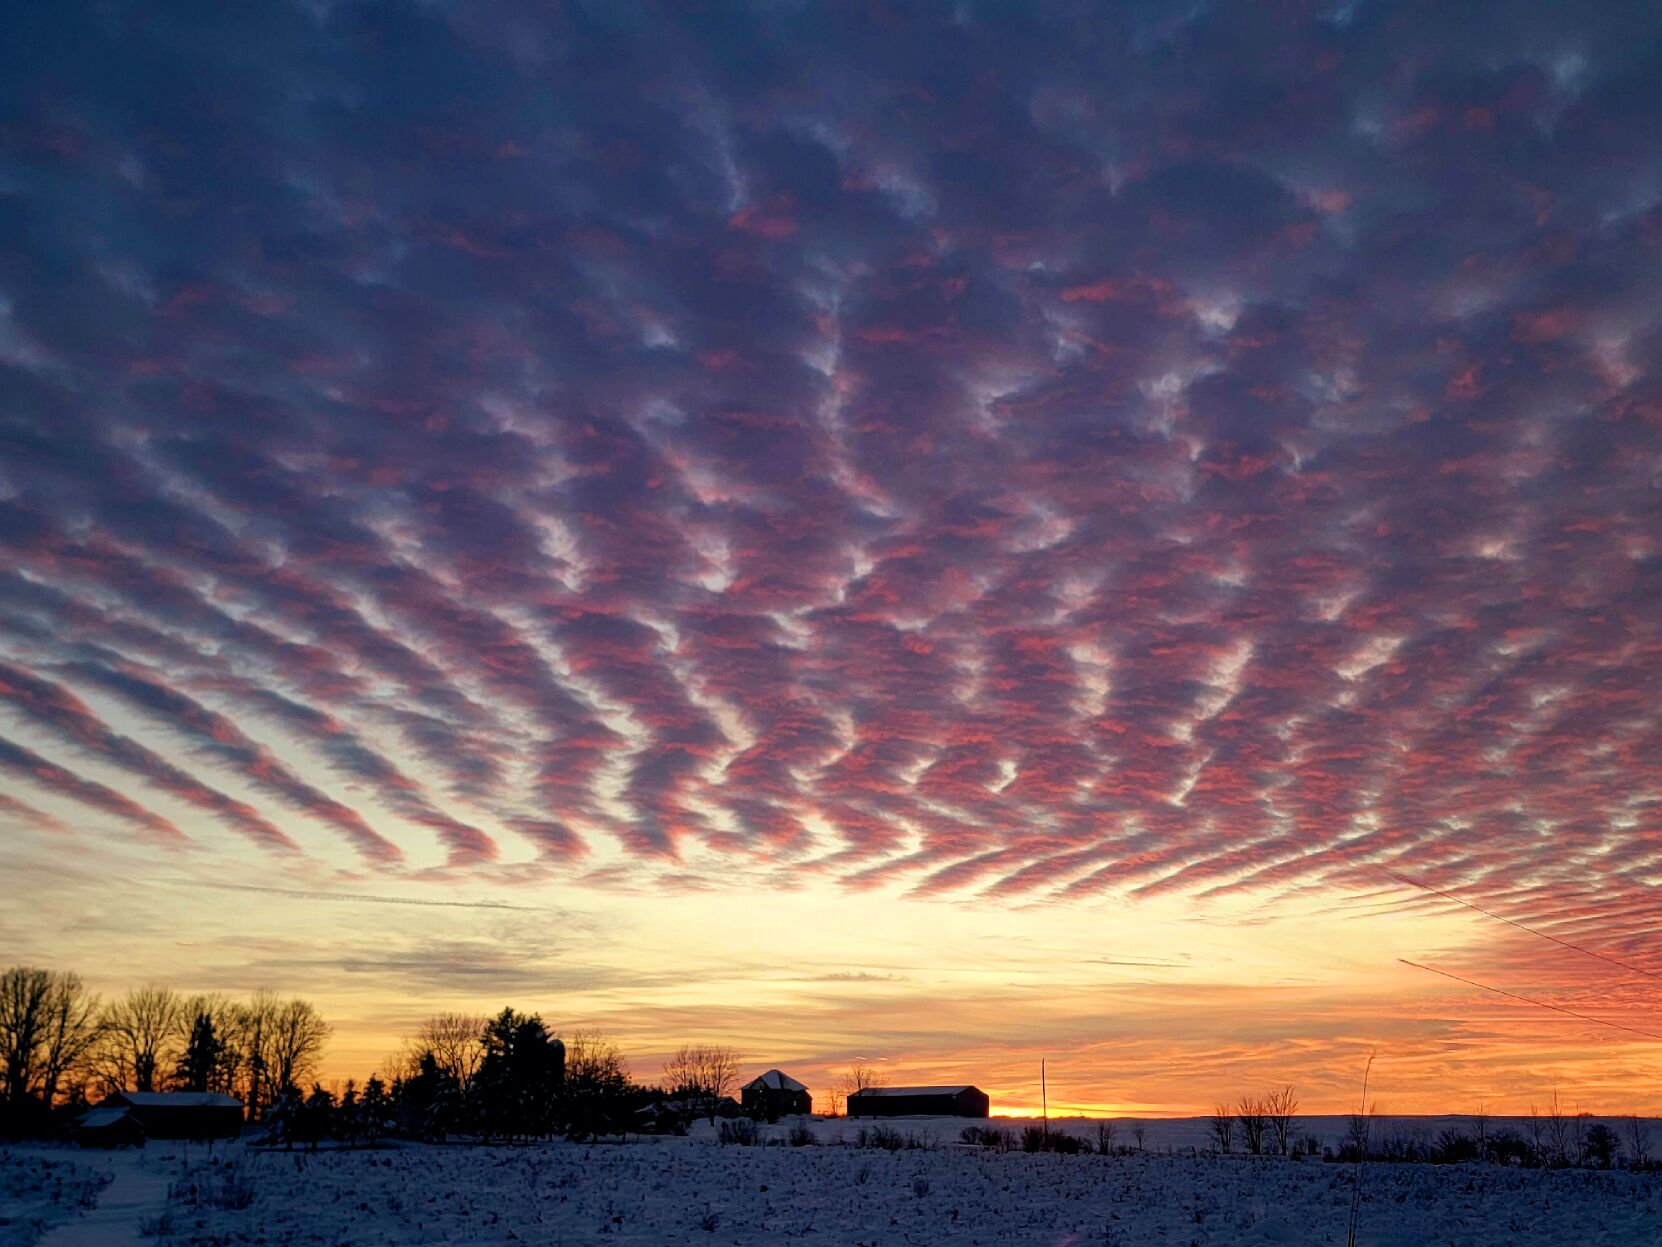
{"type": "Point", "coordinates": [777, 493]}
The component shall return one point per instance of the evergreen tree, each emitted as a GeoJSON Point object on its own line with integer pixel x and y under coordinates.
{"type": "Point", "coordinates": [203, 1056]}
{"type": "Point", "coordinates": [518, 1083]}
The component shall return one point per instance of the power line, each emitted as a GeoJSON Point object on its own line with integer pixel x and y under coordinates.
{"type": "Point", "coordinates": [1590, 952]}
{"type": "Point", "coordinates": [1539, 1004]}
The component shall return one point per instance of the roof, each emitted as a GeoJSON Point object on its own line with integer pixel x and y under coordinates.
{"type": "Point", "coordinates": [775, 1080]}
{"type": "Point", "coordinates": [916, 1090]}
{"type": "Point", "coordinates": [175, 1099]}
{"type": "Point", "coordinates": [99, 1118]}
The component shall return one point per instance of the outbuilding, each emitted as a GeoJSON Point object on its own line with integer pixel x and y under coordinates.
{"type": "Point", "coordinates": [108, 1127]}
{"type": "Point", "coordinates": [181, 1114]}
{"type": "Point", "coordinates": [775, 1094]}
{"type": "Point", "coordinates": [959, 1101]}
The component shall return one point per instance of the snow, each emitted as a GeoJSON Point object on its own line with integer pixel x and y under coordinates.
{"type": "Point", "coordinates": [695, 1191]}
{"type": "Point", "coordinates": [775, 1080]}
{"type": "Point", "coordinates": [70, 1197]}
{"type": "Point", "coordinates": [38, 1190]}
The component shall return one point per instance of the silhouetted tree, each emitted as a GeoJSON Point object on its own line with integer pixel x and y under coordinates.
{"type": "Point", "coordinates": [203, 1057]}
{"type": "Point", "coordinates": [48, 1023]}
{"type": "Point", "coordinates": [296, 1035]}
{"type": "Point", "coordinates": [1601, 1146]}
{"type": "Point", "coordinates": [703, 1073]}
{"type": "Point", "coordinates": [314, 1118]}
{"type": "Point", "coordinates": [1279, 1107]}
{"type": "Point", "coordinates": [456, 1041]}
{"type": "Point", "coordinates": [1250, 1113]}
{"type": "Point", "coordinates": [375, 1109]}
{"type": "Point", "coordinates": [1638, 1141]}
{"type": "Point", "coordinates": [138, 1038]}
{"type": "Point", "coordinates": [519, 1079]}
{"type": "Point", "coordinates": [598, 1097]}
{"type": "Point", "coordinates": [1223, 1128]}
{"type": "Point", "coordinates": [860, 1076]}
{"type": "Point", "coordinates": [430, 1103]}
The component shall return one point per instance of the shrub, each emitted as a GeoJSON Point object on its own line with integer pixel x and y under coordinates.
{"type": "Point", "coordinates": [990, 1137]}
{"type": "Point", "coordinates": [885, 1137]}
{"type": "Point", "coordinates": [801, 1136]}
{"type": "Point", "coordinates": [1038, 1139]}
{"type": "Point", "coordinates": [741, 1131]}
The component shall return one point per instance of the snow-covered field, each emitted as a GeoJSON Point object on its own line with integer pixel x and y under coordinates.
{"type": "Point", "coordinates": [38, 1190]}
{"type": "Point", "coordinates": [695, 1191]}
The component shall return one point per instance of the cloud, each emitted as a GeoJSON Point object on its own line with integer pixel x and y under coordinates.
{"type": "Point", "coordinates": [839, 452]}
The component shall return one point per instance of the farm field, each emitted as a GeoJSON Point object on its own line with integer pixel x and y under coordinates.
{"type": "Point", "coordinates": [695, 1191]}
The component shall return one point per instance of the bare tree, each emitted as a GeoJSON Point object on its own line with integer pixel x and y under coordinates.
{"type": "Point", "coordinates": [1535, 1135]}
{"type": "Point", "coordinates": [1638, 1141]}
{"type": "Point", "coordinates": [296, 1036]}
{"type": "Point", "coordinates": [1480, 1130]}
{"type": "Point", "coordinates": [1558, 1131]}
{"type": "Point", "coordinates": [706, 1071]}
{"type": "Point", "coordinates": [253, 1037]}
{"type": "Point", "coordinates": [69, 1032]}
{"type": "Point", "coordinates": [1279, 1107]}
{"type": "Point", "coordinates": [1105, 1131]}
{"type": "Point", "coordinates": [454, 1039]}
{"type": "Point", "coordinates": [1359, 1130]}
{"type": "Point", "coordinates": [139, 1037]}
{"type": "Point", "coordinates": [592, 1057]}
{"type": "Point", "coordinates": [1139, 1132]}
{"type": "Point", "coordinates": [1223, 1127]}
{"type": "Point", "coordinates": [861, 1076]}
{"type": "Point", "coordinates": [1250, 1113]}
{"type": "Point", "coordinates": [47, 1025]}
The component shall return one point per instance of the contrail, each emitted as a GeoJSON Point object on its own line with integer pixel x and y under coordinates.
{"type": "Point", "coordinates": [1539, 1004]}
{"type": "Point", "coordinates": [301, 894]}
{"type": "Point", "coordinates": [1615, 961]}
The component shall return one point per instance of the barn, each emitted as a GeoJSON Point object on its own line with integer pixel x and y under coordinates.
{"type": "Point", "coordinates": [775, 1094]}
{"type": "Point", "coordinates": [960, 1101]}
{"type": "Point", "coordinates": [181, 1114]}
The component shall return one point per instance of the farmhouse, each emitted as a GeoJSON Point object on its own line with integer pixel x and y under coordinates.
{"type": "Point", "coordinates": [181, 1114]}
{"type": "Point", "coordinates": [775, 1094]}
{"type": "Point", "coordinates": [961, 1101]}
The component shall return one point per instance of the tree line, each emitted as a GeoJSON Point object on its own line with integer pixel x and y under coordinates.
{"type": "Point", "coordinates": [61, 1046]}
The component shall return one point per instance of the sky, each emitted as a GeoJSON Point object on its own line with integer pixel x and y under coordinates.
{"type": "Point", "coordinates": [940, 534]}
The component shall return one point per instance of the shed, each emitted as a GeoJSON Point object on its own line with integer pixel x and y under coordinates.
{"type": "Point", "coordinates": [957, 1101]}
{"type": "Point", "coordinates": [108, 1127]}
{"type": "Point", "coordinates": [181, 1114]}
{"type": "Point", "coordinates": [775, 1094]}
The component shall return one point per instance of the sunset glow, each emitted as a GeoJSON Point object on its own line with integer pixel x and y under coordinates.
{"type": "Point", "coordinates": [943, 541]}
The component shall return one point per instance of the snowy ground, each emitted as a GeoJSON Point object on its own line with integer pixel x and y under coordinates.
{"type": "Point", "coordinates": [38, 1190]}
{"type": "Point", "coordinates": [694, 1191]}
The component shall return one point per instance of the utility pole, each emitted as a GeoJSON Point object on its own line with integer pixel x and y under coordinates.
{"type": "Point", "coordinates": [1044, 1098]}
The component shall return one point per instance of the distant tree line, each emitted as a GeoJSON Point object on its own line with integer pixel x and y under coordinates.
{"type": "Point", "coordinates": [61, 1046]}
{"type": "Point", "coordinates": [508, 1078]}
{"type": "Point", "coordinates": [1553, 1138]}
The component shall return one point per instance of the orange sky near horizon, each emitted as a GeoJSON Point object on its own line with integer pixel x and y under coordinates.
{"type": "Point", "coordinates": [1157, 1007]}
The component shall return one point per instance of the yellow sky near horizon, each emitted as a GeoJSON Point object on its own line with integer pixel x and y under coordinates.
{"type": "Point", "coordinates": [1160, 1006]}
